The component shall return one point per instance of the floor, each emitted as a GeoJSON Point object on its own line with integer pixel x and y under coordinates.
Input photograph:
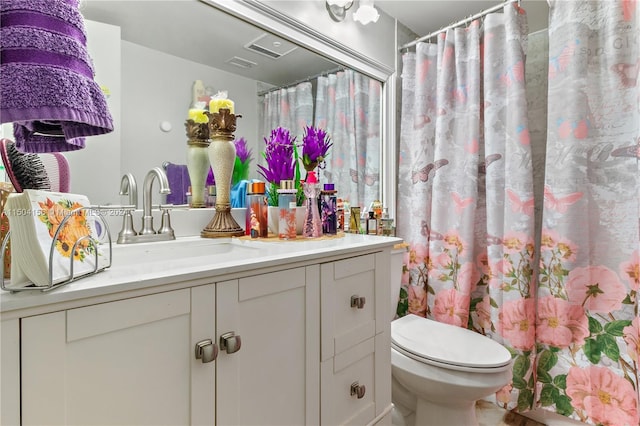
{"type": "Point", "coordinates": [489, 414]}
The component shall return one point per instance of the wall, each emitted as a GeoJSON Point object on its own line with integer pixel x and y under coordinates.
{"type": "Point", "coordinates": [146, 88]}
{"type": "Point", "coordinates": [157, 87]}
{"type": "Point", "coordinates": [95, 170]}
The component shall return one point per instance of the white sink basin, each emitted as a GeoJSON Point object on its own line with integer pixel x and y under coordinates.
{"type": "Point", "coordinates": [182, 251]}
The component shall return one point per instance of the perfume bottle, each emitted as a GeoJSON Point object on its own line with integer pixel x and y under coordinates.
{"type": "Point", "coordinates": [256, 219]}
{"type": "Point", "coordinates": [386, 224]}
{"type": "Point", "coordinates": [340, 214]}
{"type": "Point", "coordinates": [287, 210]}
{"type": "Point", "coordinates": [372, 224]}
{"type": "Point", "coordinates": [346, 216]}
{"type": "Point", "coordinates": [354, 223]}
{"type": "Point", "coordinates": [312, 227]}
{"type": "Point", "coordinates": [328, 209]}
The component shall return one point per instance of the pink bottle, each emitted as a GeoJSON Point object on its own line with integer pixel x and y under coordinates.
{"type": "Point", "coordinates": [312, 227]}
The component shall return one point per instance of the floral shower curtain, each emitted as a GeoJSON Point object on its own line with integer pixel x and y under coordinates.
{"type": "Point", "coordinates": [348, 108]}
{"type": "Point", "coordinates": [465, 190]}
{"type": "Point", "coordinates": [290, 107]}
{"type": "Point", "coordinates": [588, 325]}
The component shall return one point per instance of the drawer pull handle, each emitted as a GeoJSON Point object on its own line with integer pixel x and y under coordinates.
{"type": "Point", "coordinates": [358, 390]}
{"type": "Point", "coordinates": [206, 350]}
{"type": "Point", "coordinates": [357, 302]}
{"type": "Point", "coordinates": [230, 342]}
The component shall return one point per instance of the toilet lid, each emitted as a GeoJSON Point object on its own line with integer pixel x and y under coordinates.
{"type": "Point", "coordinates": [430, 340]}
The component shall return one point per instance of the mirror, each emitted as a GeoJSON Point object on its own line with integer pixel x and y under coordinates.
{"type": "Point", "coordinates": [147, 55]}
{"type": "Point", "coordinates": [148, 77]}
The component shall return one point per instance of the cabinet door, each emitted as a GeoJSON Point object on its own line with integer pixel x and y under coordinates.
{"type": "Point", "coordinates": [274, 377]}
{"type": "Point", "coordinates": [120, 363]}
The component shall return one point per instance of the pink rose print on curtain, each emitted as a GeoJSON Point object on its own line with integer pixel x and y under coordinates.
{"type": "Point", "coordinates": [417, 300]}
{"type": "Point", "coordinates": [503, 396]}
{"type": "Point", "coordinates": [413, 293]}
{"type": "Point", "coordinates": [517, 323]}
{"type": "Point", "coordinates": [602, 396]}
{"type": "Point", "coordinates": [468, 277]}
{"type": "Point", "coordinates": [483, 312]}
{"type": "Point", "coordinates": [438, 262]}
{"type": "Point", "coordinates": [417, 255]}
{"type": "Point", "coordinates": [597, 288]}
{"type": "Point", "coordinates": [451, 307]}
{"type": "Point", "coordinates": [630, 271]}
{"type": "Point", "coordinates": [560, 323]}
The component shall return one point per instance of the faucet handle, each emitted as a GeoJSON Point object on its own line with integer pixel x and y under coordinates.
{"type": "Point", "coordinates": [165, 224]}
{"type": "Point", "coordinates": [127, 231]}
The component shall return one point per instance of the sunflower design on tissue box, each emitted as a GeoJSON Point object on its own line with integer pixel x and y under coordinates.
{"type": "Point", "coordinates": [51, 225]}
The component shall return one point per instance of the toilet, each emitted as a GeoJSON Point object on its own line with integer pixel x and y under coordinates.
{"type": "Point", "coordinates": [438, 370]}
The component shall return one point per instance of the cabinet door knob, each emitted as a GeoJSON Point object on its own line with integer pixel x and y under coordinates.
{"type": "Point", "coordinates": [230, 342]}
{"type": "Point", "coordinates": [206, 350]}
{"type": "Point", "coordinates": [357, 302]}
{"type": "Point", "coordinates": [358, 390]}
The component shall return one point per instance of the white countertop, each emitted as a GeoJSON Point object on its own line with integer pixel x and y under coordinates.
{"type": "Point", "coordinates": [148, 265]}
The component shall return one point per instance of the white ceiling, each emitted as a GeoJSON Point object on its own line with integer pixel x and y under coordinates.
{"type": "Point", "coordinates": [426, 16]}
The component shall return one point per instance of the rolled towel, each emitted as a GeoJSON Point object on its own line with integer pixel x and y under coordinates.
{"type": "Point", "coordinates": [47, 86]}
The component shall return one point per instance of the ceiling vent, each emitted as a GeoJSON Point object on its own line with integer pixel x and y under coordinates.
{"type": "Point", "coordinates": [241, 62]}
{"type": "Point", "coordinates": [271, 46]}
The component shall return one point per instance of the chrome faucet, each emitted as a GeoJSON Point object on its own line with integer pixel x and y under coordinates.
{"type": "Point", "coordinates": [147, 218]}
{"type": "Point", "coordinates": [128, 234]}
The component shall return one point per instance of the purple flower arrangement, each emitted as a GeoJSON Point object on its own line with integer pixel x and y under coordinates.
{"type": "Point", "coordinates": [241, 164]}
{"type": "Point", "coordinates": [315, 146]}
{"type": "Point", "coordinates": [281, 156]}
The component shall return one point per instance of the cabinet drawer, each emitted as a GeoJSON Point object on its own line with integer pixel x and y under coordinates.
{"type": "Point", "coordinates": [340, 403]}
{"type": "Point", "coordinates": [348, 303]}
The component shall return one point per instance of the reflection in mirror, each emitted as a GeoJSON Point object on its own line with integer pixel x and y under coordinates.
{"type": "Point", "coordinates": [147, 56]}
{"type": "Point", "coordinates": [346, 104]}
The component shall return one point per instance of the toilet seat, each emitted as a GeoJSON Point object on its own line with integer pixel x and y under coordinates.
{"type": "Point", "coordinates": [447, 346]}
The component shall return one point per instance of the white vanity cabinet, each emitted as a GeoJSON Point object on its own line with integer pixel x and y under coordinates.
{"type": "Point", "coordinates": [297, 351]}
{"type": "Point", "coordinates": [133, 361]}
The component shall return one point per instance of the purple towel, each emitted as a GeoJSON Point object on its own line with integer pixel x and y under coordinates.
{"type": "Point", "coordinates": [179, 182]}
{"type": "Point", "coordinates": [47, 86]}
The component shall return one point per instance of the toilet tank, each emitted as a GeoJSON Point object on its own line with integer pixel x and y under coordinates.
{"type": "Point", "coordinates": [395, 279]}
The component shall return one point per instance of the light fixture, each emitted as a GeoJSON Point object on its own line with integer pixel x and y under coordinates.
{"type": "Point", "coordinates": [366, 12]}
{"type": "Point", "coordinates": [338, 9]}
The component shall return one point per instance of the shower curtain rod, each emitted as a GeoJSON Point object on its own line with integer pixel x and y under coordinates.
{"type": "Point", "coordinates": [459, 23]}
{"type": "Point", "coordinates": [295, 83]}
